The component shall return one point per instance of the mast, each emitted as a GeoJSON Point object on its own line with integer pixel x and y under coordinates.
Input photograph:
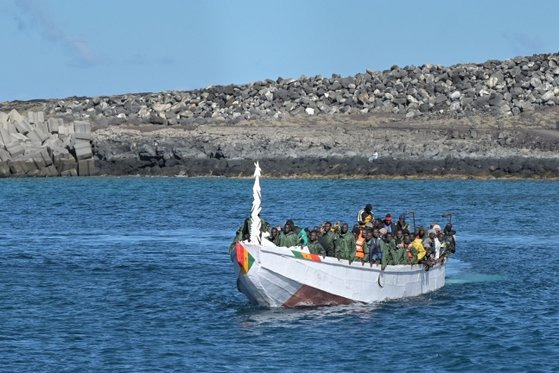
{"type": "Point", "coordinates": [256, 207]}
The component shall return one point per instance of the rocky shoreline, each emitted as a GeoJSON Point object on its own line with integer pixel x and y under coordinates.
{"type": "Point", "coordinates": [344, 168]}
{"type": "Point", "coordinates": [496, 119]}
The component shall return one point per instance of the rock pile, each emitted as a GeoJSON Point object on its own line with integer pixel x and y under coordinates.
{"type": "Point", "coordinates": [496, 87]}
{"type": "Point", "coordinates": [33, 146]}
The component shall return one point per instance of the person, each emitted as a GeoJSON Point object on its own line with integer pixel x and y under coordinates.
{"type": "Point", "coordinates": [418, 244]}
{"type": "Point", "coordinates": [373, 245]}
{"type": "Point", "coordinates": [243, 232]}
{"type": "Point", "coordinates": [411, 252]}
{"type": "Point", "coordinates": [399, 254]}
{"type": "Point", "coordinates": [387, 246]}
{"type": "Point", "coordinates": [361, 250]}
{"type": "Point", "coordinates": [448, 243]}
{"type": "Point", "coordinates": [402, 225]}
{"type": "Point", "coordinates": [429, 244]}
{"type": "Point", "coordinates": [399, 237]}
{"type": "Point", "coordinates": [365, 215]}
{"type": "Point", "coordinates": [274, 235]}
{"type": "Point", "coordinates": [314, 245]}
{"type": "Point", "coordinates": [302, 236]}
{"type": "Point", "coordinates": [437, 243]}
{"type": "Point", "coordinates": [328, 238]}
{"type": "Point", "coordinates": [378, 223]}
{"type": "Point", "coordinates": [344, 245]}
{"type": "Point", "coordinates": [288, 238]}
{"type": "Point", "coordinates": [388, 225]}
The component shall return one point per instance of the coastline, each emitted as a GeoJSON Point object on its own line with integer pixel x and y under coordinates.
{"type": "Point", "coordinates": [498, 119]}
{"type": "Point", "coordinates": [483, 169]}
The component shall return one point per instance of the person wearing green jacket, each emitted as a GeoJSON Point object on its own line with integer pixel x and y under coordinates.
{"type": "Point", "coordinates": [398, 237]}
{"type": "Point", "coordinates": [314, 246]}
{"type": "Point", "coordinates": [399, 255]}
{"type": "Point", "coordinates": [274, 235]}
{"type": "Point", "coordinates": [288, 238]}
{"type": "Point", "coordinates": [303, 239]}
{"type": "Point", "coordinates": [344, 244]}
{"type": "Point", "coordinates": [243, 233]}
{"type": "Point", "coordinates": [328, 238]}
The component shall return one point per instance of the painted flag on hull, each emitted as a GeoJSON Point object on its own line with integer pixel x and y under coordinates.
{"type": "Point", "coordinates": [307, 256]}
{"type": "Point", "coordinates": [244, 258]}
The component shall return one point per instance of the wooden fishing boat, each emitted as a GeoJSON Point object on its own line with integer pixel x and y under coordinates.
{"type": "Point", "coordinates": [273, 276]}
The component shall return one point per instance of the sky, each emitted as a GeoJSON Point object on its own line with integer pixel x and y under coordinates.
{"type": "Point", "coordinates": [62, 48]}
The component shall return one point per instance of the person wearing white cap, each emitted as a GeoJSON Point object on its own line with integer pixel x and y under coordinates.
{"type": "Point", "coordinates": [430, 245]}
{"type": "Point", "coordinates": [437, 229]}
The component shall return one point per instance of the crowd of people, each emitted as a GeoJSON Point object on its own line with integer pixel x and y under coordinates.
{"type": "Point", "coordinates": [371, 240]}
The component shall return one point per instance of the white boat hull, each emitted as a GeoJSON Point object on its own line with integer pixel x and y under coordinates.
{"type": "Point", "coordinates": [274, 276]}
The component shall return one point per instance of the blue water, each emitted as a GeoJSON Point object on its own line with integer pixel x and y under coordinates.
{"type": "Point", "coordinates": [132, 274]}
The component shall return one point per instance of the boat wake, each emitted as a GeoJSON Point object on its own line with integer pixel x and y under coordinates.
{"type": "Point", "coordinates": [459, 272]}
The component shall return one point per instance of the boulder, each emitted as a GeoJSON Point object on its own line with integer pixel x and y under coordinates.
{"type": "Point", "coordinates": [535, 82]}
{"type": "Point", "coordinates": [82, 130]}
{"type": "Point", "coordinates": [4, 169]}
{"type": "Point", "coordinates": [53, 124]}
{"type": "Point", "coordinates": [35, 138]}
{"type": "Point", "coordinates": [68, 173]}
{"type": "Point", "coordinates": [455, 95]}
{"type": "Point", "coordinates": [548, 96]}
{"type": "Point", "coordinates": [35, 117]}
{"type": "Point", "coordinates": [15, 149]}
{"type": "Point", "coordinates": [4, 155]}
{"type": "Point", "coordinates": [3, 118]}
{"type": "Point", "coordinates": [17, 167]}
{"type": "Point", "coordinates": [161, 107]}
{"type": "Point", "coordinates": [86, 167]}
{"type": "Point", "coordinates": [14, 116]}
{"type": "Point", "coordinates": [49, 171]}
{"type": "Point", "coordinates": [5, 137]}
{"type": "Point", "coordinates": [22, 126]}
{"type": "Point", "coordinates": [82, 149]}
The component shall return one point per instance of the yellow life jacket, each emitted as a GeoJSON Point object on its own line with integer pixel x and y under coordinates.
{"type": "Point", "coordinates": [420, 248]}
{"type": "Point", "coordinates": [368, 218]}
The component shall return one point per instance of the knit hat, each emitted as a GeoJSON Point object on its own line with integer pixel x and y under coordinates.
{"type": "Point", "coordinates": [368, 206]}
{"type": "Point", "coordinates": [436, 227]}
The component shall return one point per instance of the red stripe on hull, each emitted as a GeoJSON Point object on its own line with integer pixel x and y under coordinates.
{"type": "Point", "coordinates": [309, 296]}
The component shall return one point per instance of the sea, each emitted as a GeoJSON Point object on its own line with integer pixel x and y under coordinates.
{"type": "Point", "coordinates": [133, 275]}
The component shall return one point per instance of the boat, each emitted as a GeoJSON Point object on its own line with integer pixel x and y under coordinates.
{"type": "Point", "coordinates": [272, 276]}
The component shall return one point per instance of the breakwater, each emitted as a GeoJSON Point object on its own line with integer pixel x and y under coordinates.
{"type": "Point", "coordinates": [30, 145]}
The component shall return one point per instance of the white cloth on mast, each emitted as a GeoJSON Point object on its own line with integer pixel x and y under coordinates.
{"type": "Point", "coordinates": [256, 207]}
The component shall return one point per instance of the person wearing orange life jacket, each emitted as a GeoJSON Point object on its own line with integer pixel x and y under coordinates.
{"type": "Point", "coordinates": [361, 247]}
{"type": "Point", "coordinates": [365, 215]}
